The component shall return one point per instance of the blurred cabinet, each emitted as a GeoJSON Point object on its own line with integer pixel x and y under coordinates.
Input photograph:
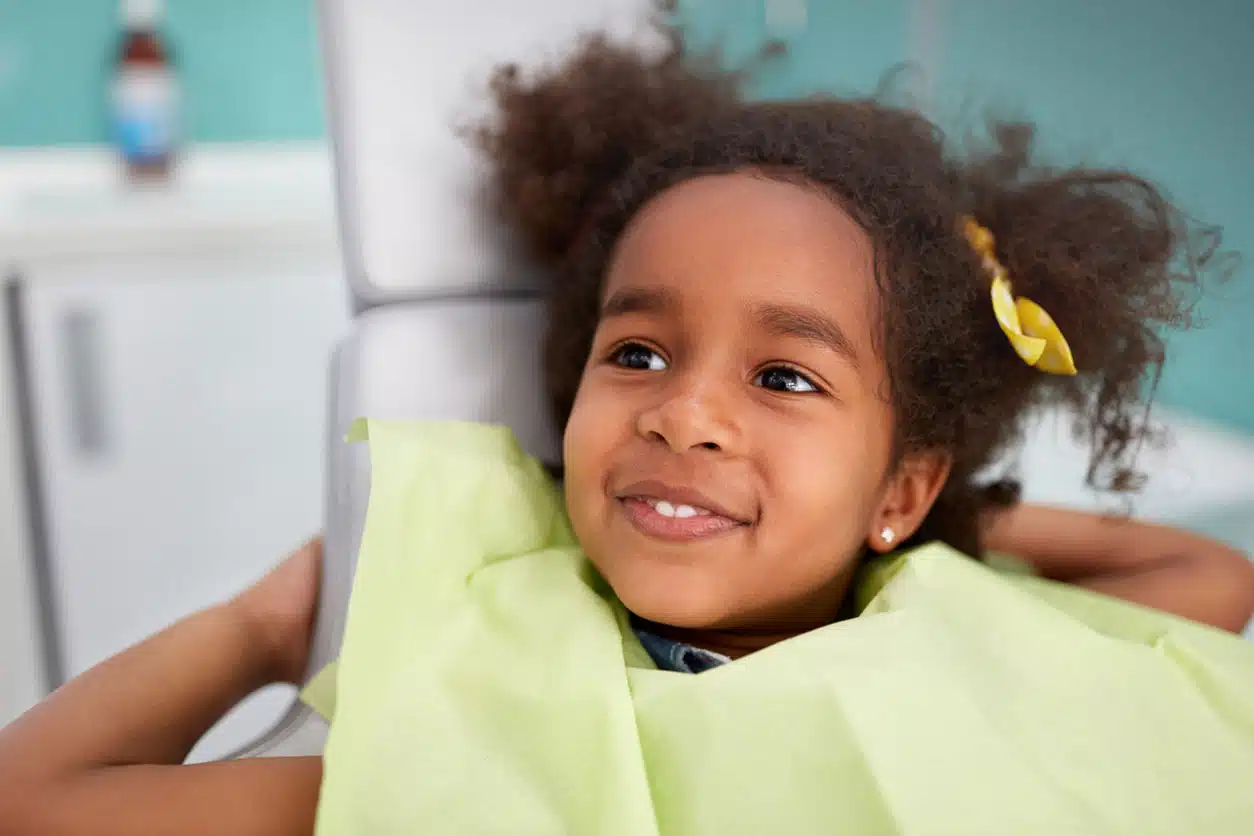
{"type": "Point", "coordinates": [176, 390]}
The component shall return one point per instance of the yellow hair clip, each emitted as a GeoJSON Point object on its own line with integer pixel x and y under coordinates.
{"type": "Point", "coordinates": [1032, 331]}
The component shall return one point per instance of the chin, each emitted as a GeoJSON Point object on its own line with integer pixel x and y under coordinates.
{"type": "Point", "coordinates": [687, 606]}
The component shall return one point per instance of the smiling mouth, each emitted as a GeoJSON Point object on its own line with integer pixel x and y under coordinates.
{"type": "Point", "coordinates": [681, 522]}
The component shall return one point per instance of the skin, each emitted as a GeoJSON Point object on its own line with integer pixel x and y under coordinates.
{"type": "Point", "coordinates": [1152, 565]}
{"type": "Point", "coordinates": [699, 404]}
{"type": "Point", "coordinates": [103, 754]}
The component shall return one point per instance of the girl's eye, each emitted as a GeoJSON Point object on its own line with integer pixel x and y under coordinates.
{"type": "Point", "coordinates": [639, 357]}
{"type": "Point", "coordinates": [784, 379]}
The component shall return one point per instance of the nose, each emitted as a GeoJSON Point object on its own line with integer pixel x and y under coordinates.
{"type": "Point", "coordinates": [693, 414]}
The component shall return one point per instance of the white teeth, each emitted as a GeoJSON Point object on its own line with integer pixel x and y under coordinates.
{"type": "Point", "coordinates": [682, 512]}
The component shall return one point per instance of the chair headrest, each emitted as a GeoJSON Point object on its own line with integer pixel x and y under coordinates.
{"type": "Point", "coordinates": [403, 76]}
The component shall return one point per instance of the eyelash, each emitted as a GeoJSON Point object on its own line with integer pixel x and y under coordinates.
{"type": "Point", "coordinates": [814, 387]}
{"type": "Point", "coordinates": [618, 354]}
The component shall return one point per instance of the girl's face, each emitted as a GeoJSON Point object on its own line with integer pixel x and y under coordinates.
{"type": "Point", "coordinates": [728, 454]}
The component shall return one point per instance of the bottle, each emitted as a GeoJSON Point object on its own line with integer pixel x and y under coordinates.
{"type": "Point", "coordinates": [145, 94]}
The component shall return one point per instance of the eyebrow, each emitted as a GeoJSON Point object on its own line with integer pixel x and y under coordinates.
{"type": "Point", "coordinates": [793, 321]}
{"type": "Point", "coordinates": [639, 300]}
{"type": "Point", "coordinates": [805, 323]}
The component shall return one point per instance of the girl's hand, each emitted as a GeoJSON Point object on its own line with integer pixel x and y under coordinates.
{"type": "Point", "coordinates": [279, 611]}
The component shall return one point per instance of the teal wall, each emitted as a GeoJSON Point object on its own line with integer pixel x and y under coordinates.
{"type": "Point", "coordinates": [1161, 87]}
{"type": "Point", "coordinates": [249, 69]}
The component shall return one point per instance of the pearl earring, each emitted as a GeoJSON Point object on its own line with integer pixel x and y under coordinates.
{"type": "Point", "coordinates": [888, 536]}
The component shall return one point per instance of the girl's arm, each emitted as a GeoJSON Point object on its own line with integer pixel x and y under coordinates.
{"type": "Point", "coordinates": [1154, 565]}
{"type": "Point", "coordinates": [103, 754]}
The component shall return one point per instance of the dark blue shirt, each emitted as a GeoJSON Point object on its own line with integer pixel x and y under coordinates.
{"type": "Point", "coordinates": [670, 655]}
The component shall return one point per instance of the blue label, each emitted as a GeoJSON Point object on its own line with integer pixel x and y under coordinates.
{"type": "Point", "coordinates": [143, 137]}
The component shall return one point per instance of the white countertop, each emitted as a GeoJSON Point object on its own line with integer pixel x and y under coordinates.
{"type": "Point", "coordinates": [75, 201]}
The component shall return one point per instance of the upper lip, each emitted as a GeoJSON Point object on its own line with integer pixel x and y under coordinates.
{"type": "Point", "coordinates": [678, 495]}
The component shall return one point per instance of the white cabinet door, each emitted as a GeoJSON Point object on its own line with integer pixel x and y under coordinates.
{"type": "Point", "coordinates": [180, 408]}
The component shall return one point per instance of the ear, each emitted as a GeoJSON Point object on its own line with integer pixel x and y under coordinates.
{"type": "Point", "coordinates": [908, 496]}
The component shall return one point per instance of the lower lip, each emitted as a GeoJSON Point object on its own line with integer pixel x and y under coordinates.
{"type": "Point", "coordinates": [650, 522]}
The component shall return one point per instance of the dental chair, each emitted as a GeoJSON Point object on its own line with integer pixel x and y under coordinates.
{"type": "Point", "coordinates": [449, 313]}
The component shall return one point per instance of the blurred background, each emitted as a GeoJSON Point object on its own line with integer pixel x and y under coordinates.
{"type": "Point", "coordinates": [174, 288]}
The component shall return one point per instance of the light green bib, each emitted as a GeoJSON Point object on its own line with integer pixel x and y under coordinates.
{"type": "Point", "coordinates": [489, 684]}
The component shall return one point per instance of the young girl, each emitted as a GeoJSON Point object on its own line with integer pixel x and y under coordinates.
{"type": "Point", "coordinates": [783, 337]}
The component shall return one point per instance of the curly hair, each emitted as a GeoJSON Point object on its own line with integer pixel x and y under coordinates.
{"type": "Point", "coordinates": [579, 147]}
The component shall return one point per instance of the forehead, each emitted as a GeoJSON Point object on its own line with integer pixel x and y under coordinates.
{"type": "Point", "coordinates": [739, 238]}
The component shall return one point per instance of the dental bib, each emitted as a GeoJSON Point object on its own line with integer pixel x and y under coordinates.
{"type": "Point", "coordinates": [489, 683]}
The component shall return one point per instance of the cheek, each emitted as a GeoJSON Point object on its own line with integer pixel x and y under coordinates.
{"type": "Point", "coordinates": [589, 431]}
{"type": "Point", "coordinates": [829, 482]}
{"type": "Point", "coordinates": [591, 435]}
